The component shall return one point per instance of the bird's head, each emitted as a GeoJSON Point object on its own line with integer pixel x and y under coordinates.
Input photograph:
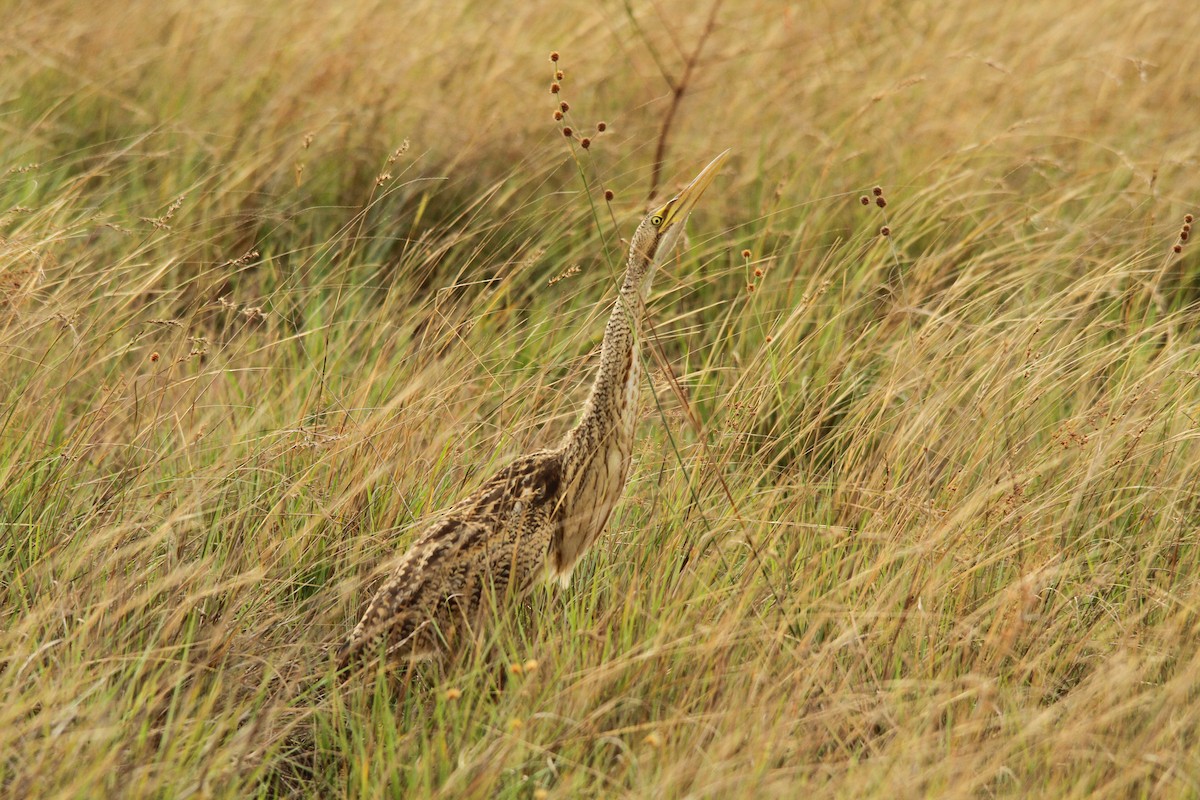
{"type": "Point", "coordinates": [660, 229]}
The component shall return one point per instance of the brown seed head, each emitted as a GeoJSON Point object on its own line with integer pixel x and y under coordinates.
{"type": "Point", "coordinates": [554, 55]}
{"type": "Point", "coordinates": [758, 273]}
{"type": "Point", "coordinates": [1178, 248]}
{"type": "Point", "coordinates": [1183, 236]}
{"type": "Point", "coordinates": [608, 195]}
{"type": "Point", "coordinates": [885, 231]}
{"type": "Point", "coordinates": [745, 254]}
{"type": "Point", "coordinates": [559, 75]}
{"type": "Point", "coordinates": [567, 132]}
{"type": "Point", "coordinates": [563, 105]}
{"type": "Point", "coordinates": [602, 126]}
{"type": "Point", "coordinates": [866, 201]}
{"type": "Point", "coordinates": [1186, 227]}
{"type": "Point", "coordinates": [585, 143]}
{"type": "Point", "coordinates": [877, 191]}
{"type": "Point", "coordinates": [554, 88]}
{"type": "Point", "coordinates": [750, 288]}
{"type": "Point", "coordinates": [557, 115]}
{"type": "Point", "coordinates": [154, 356]}
{"type": "Point", "coordinates": [1187, 217]}
{"type": "Point", "coordinates": [879, 201]}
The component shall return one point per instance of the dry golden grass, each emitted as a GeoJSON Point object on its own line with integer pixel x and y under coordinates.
{"type": "Point", "coordinates": [248, 337]}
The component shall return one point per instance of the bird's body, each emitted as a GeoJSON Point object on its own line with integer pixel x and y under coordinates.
{"type": "Point", "coordinates": [489, 543]}
{"type": "Point", "coordinates": [541, 512]}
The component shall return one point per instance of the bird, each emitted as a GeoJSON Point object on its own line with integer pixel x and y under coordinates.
{"type": "Point", "coordinates": [539, 514]}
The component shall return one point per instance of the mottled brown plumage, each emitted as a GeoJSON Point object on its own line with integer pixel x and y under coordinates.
{"type": "Point", "coordinates": [540, 513]}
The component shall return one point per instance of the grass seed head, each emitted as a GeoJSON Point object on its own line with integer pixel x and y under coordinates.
{"type": "Point", "coordinates": [574, 269]}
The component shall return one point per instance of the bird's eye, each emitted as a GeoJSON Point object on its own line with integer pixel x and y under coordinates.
{"type": "Point", "coordinates": [656, 220]}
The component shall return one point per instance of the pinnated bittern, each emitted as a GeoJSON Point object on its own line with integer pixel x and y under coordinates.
{"type": "Point", "coordinates": [541, 512]}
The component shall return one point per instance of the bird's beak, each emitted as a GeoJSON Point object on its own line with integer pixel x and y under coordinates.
{"type": "Point", "coordinates": [677, 209]}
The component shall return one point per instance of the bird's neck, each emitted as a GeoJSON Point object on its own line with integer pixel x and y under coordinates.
{"type": "Point", "coordinates": [611, 409]}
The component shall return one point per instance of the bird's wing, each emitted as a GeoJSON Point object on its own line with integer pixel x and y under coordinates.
{"type": "Point", "coordinates": [407, 608]}
{"type": "Point", "coordinates": [494, 540]}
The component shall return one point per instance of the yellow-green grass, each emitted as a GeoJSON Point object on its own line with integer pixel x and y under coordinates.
{"type": "Point", "coordinates": [925, 526]}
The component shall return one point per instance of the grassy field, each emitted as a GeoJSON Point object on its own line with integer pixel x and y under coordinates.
{"type": "Point", "coordinates": [278, 279]}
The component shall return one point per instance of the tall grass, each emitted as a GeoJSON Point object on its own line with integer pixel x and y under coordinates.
{"type": "Point", "coordinates": [279, 279]}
